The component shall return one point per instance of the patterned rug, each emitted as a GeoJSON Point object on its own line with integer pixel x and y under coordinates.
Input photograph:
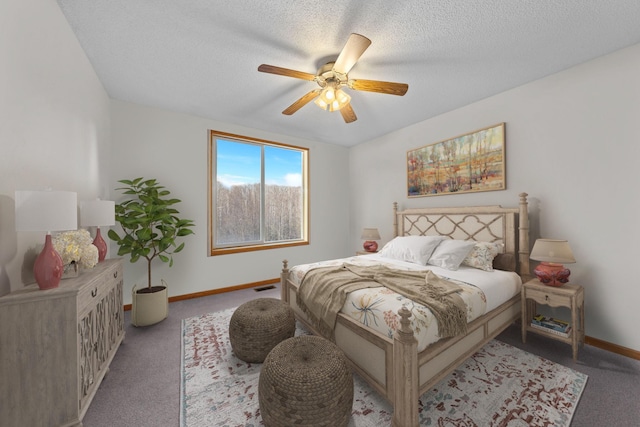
{"type": "Point", "coordinates": [498, 386]}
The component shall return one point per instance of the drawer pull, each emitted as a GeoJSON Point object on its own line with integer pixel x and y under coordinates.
{"type": "Point", "coordinates": [94, 292]}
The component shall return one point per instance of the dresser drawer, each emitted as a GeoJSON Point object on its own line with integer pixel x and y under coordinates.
{"type": "Point", "coordinates": [95, 290]}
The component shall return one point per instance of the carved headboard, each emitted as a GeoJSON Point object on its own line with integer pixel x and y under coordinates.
{"type": "Point", "coordinates": [479, 223]}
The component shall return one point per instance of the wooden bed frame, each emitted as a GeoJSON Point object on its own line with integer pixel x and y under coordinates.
{"type": "Point", "coordinates": [394, 367]}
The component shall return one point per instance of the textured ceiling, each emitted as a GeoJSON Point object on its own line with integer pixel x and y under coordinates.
{"type": "Point", "coordinates": [200, 57]}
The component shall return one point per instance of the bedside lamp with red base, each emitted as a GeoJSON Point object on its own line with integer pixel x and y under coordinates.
{"type": "Point", "coordinates": [552, 254]}
{"type": "Point", "coordinates": [370, 235]}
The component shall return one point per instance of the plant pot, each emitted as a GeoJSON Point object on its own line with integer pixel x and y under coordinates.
{"type": "Point", "coordinates": [149, 307]}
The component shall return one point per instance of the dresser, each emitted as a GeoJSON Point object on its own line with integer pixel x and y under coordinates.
{"type": "Point", "coordinates": [56, 346]}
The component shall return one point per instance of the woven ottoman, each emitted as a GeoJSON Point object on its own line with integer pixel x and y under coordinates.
{"type": "Point", "coordinates": [259, 325]}
{"type": "Point", "coordinates": [305, 381]}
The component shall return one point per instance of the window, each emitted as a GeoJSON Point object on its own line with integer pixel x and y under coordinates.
{"type": "Point", "coordinates": [259, 194]}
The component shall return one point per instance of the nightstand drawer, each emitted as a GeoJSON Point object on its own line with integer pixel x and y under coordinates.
{"type": "Point", "coordinates": [548, 298]}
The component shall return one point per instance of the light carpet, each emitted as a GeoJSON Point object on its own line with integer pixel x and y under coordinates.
{"type": "Point", "coordinates": [500, 385]}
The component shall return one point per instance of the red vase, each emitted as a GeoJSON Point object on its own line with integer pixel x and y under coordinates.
{"type": "Point", "coordinates": [99, 243]}
{"type": "Point", "coordinates": [47, 269]}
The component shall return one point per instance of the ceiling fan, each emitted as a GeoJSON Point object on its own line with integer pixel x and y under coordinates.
{"type": "Point", "coordinates": [333, 77]}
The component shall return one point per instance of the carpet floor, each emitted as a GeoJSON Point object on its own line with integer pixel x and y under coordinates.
{"type": "Point", "coordinates": [142, 388]}
{"type": "Point", "coordinates": [498, 386]}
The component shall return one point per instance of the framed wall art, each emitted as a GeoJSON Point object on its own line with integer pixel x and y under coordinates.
{"type": "Point", "coordinates": [468, 163]}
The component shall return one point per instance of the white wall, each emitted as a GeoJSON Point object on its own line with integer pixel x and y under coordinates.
{"type": "Point", "coordinates": [172, 148]}
{"type": "Point", "coordinates": [54, 123]}
{"type": "Point", "coordinates": [573, 144]}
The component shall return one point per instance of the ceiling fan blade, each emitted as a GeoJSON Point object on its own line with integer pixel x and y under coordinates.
{"type": "Point", "coordinates": [272, 69]}
{"type": "Point", "coordinates": [348, 114]}
{"type": "Point", "coordinates": [301, 102]}
{"type": "Point", "coordinates": [380, 87]}
{"type": "Point", "coordinates": [351, 52]}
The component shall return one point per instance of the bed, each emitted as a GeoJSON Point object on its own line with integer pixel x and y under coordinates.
{"type": "Point", "coordinates": [404, 363]}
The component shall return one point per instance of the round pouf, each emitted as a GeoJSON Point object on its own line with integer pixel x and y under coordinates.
{"type": "Point", "coordinates": [305, 381]}
{"type": "Point", "coordinates": [259, 325]}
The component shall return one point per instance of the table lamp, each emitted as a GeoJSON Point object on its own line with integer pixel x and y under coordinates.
{"type": "Point", "coordinates": [47, 211]}
{"type": "Point", "coordinates": [552, 254]}
{"type": "Point", "coordinates": [98, 213]}
{"type": "Point", "coordinates": [370, 235]}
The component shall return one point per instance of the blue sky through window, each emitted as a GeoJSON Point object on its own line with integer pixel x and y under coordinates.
{"type": "Point", "coordinates": [239, 163]}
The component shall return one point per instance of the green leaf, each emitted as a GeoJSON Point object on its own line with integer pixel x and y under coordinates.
{"type": "Point", "coordinates": [113, 235]}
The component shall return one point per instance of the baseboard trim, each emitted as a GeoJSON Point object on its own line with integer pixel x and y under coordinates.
{"type": "Point", "coordinates": [614, 348]}
{"type": "Point", "coordinates": [127, 307]}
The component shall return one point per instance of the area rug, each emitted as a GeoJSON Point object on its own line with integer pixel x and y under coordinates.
{"type": "Point", "coordinates": [500, 385]}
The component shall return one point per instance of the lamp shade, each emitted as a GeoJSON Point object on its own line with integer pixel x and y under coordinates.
{"type": "Point", "coordinates": [551, 250]}
{"type": "Point", "coordinates": [97, 213]}
{"type": "Point", "coordinates": [370, 234]}
{"type": "Point", "coordinates": [46, 210]}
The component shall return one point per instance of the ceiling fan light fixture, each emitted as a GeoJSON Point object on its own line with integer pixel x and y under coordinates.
{"type": "Point", "coordinates": [331, 99]}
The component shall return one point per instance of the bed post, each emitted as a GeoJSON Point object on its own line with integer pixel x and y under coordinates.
{"type": "Point", "coordinates": [395, 219]}
{"type": "Point", "coordinates": [405, 374]}
{"type": "Point", "coordinates": [284, 276]}
{"type": "Point", "coordinates": [523, 243]}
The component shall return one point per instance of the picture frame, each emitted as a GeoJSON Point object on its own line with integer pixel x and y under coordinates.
{"type": "Point", "coordinates": [468, 163]}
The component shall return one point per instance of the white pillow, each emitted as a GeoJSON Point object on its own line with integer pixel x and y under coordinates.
{"type": "Point", "coordinates": [450, 253]}
{"type": "Point", "coordinates": [415, 249]}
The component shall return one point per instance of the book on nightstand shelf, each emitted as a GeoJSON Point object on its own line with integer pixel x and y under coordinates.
{"type": "Point", "coordinates": [564, 334]}
{"type": "Point", "coordinates": [549, 324]}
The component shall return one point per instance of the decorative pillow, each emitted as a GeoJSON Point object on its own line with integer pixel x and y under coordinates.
{"type": "Point", "coordinates": [450, 253]}
{"type": "Point", "coordinates": [415, 249]}
{"type": "Point", "coordinates": [482, 255]}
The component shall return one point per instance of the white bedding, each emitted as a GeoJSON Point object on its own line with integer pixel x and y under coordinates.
{"type": "Point", "coordinates": [377, 308]}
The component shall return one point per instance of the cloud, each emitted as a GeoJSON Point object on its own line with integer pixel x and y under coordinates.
{"type": "Point", "coordinates": [293, 180]}
{"type": "Point", "coordinates": [231, 180]}
{"type": "Point", "coordinates": [288, 180]}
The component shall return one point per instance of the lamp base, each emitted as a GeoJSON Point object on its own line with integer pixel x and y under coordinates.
{"type": "Point", "coordinates": [552, 274]}
{"type": "Point", "coordinates": [370, 246]}
{"type": "Point", "coordinates": [99, 243]}
{"type": "Point", "coordinates": [47, 269]}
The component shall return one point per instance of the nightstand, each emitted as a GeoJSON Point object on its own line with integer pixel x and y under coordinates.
{"type": "Point", "coordinates": [365, 253]}
{"type": "Point", "coordinates": [568, 295]}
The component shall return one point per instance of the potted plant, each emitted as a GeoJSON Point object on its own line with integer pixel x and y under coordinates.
{"type": "Point", "coordinates": [151, 228]}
